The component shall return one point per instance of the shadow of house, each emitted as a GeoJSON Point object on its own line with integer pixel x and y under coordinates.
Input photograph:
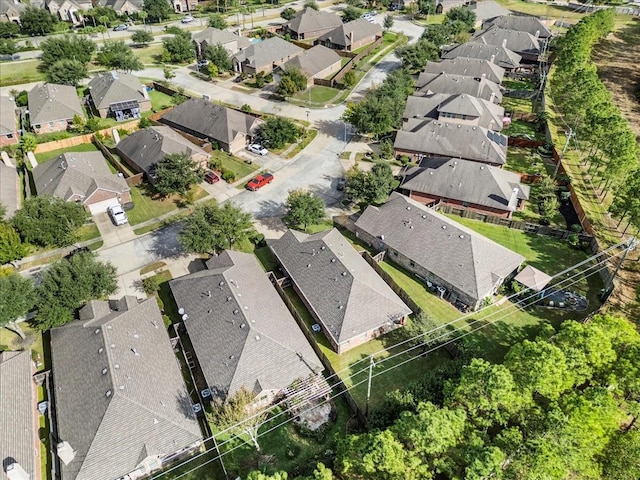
{"type": "Point", "coordinates": [460, 264]}
{"type": "Point", "coordinates": [116, 382]}
{"type": "Point", "coordinates": [340, 289]}
{"type": "Point", "coordinates": [241, 331]}
{"type": "Point", "coordinates": [142, 150]}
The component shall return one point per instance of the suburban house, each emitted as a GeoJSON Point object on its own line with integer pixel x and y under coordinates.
{"type": "Point", "coordinates": [498, 54]}
{"type": "Point", "coordinates": [343, 293]}
{"type": "Point", "coordinates": [310, 23]}
{"type": "Point", "coordinates": [230, 129]}
{"type": "Point", "coordinates": [10, 191]}
{"type": "Point", "coordinates": [212, 36]}
{"type": "Point", "coordinates": [351, 35]}
{"type": "Point", "coordinates": [8, 122]}
{"type": "Point", "coordinates": [470, 185]}
{"type": "Point", "coordinates": [443, 6]}
{"type": "Point", "coordinates": [10, 10]}
{"type": "Point", "coordinates": [470, 67]}
{"type": "Point", "coordinates": [67, 10]}
{"type": "Point", "coordinates": [522, 23]}
{"type": "Point", "coordinates": [142, 150]}
{"type": "Point", "coordinates": [241, 331]}
{"type": "Point", "coordinates": [456, 84]}
{"type": "Point", "coordinates": [123, 7]}
{"type": "Point", "coordinates": [82, 177]}
{"type": "Point", "coordinates": [119, 95]}
{"type": "Point", "coordinates": [317, 62]}
{"type": "Point", "coordinates": [180, 6]}
{"type": "Point", "coordinates": [19, 445]}
{"type": "Point", "coordinates": [121, 405]}
{"type": "Point", "coordinates": [464, 109]}
{"type": "Point", "coordinates": [52, 107]}
{"type": "Point", "coordinates": [421, 138]}
{"type": "Point", "coordinates": [264, 56]}
{"type": "Point", "coordinates": [462, 266]}
{"type": "Point", "coordinates": [522, 43]}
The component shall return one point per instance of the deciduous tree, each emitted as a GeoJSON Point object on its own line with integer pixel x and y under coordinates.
{"type": "Point", "coordinates": [303, 209]}
{"type": "Point", "coordinates": [66, 72]}
{"type": "Point", "coordinates": [119, 56]}
{"type": "Point", "coordinates": [16, 297]}
{"type": "Point", "coordinates": [11, 247]}
{"type": "Point", "coordinates": [142, 37]}
{"type": "Point", "coordinates": [276, 132]}
{"type": "Point", "coordinates": [217, 21]}
{"type": "Point", "coordinates": [157, 10]}
{"type": "Point", "coordinates": [37, 21]}
{"type": "Point", "coordinates": [288, 13]}
{"type": "Point", "coordinates": [175, 173]}
{"type": "Point", "coordinates": [67, 47]}
{"type": "Point", "coordinates": [351, 13]}
{"type": "Point", "coordinates": [218, 56]}
{"type": "Point", "coordinates": [179, 47]}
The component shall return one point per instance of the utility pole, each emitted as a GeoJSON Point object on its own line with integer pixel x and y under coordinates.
{"type": "Point", "coordinates": [633, 242]}
{"type": "Point", "coordinates": [371, 365]}
{"type": "Point", "coordinates": [570, 134]}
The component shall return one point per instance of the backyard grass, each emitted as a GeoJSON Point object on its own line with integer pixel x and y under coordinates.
{"type": "Point", "coordinates": [159, 100]}
{"type": "Point", "coordinates": [517, 105]}
{"type": "Point", "coordinates": [522, 128]}
{"type": "Point", "coordinates": [84, 147]}
{"type": "Point", "coordinates": [147, 204]}
{"type": "Point", "coordinates": [44, 435]}
{"type": "Point", "coordinates": [18, 72]}
{"type": "Point", "coordinates": [525, 160]}
{"type": "Point", "coordinates": [267, 259]}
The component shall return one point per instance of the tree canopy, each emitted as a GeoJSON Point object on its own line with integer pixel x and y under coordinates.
{"type": "Point", "coordinates": [119, 56]}
{"type": "Point", "coordinates": [292, 81]}
{"type": "Point", "coordinates": [218, 56]}
{"type": "Point", "coordinates": [217, 21]}
{"type": "Point", "coordinates": [372, 187]}
{"type": "Point", "coordinates": [157, 10]}
{"type": "Point", "coordinates": [68, 47]}
{"type": "Point", "coordinates": [16, 297]}
{"type": "Point", "coordinates": [303, 209]}
{"type": "Point", "coordinates": [70, 283]}
{"type": "Point", "coordinates": [142, 37]}
{"type": "Point", "coordinates": [11, 246]}
{"type": "Point", "coordinates": [179, 48]}
{"type": "Point", "coordinates": [288, 13]}
{"type": "Point", "coordinates": [48, 221]}
{"type": "Point", "coordinates": [276, 132]}
{"type": "Point", "coordinates": [350, 13]}
{"type": "Point", "coordinates": [37, 21]}
{"type": "Point", "coordinates": [66, 71]}
{"type": "Point", "coordinates": [175, 173]}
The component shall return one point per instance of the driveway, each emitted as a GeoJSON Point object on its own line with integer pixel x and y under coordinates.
{"type": "Point", "coordinates": [110, 233]}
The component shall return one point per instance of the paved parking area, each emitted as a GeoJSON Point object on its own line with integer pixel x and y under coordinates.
{"type": "Point", "coordinates": [112, 234]}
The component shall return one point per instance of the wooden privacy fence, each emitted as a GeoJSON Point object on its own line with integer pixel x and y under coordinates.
{"type": "Point", "coordinates": [86, 138]}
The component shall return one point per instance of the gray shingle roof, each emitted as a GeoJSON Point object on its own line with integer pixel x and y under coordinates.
{"type": "Point", "coordinates": [267, 52]}
{"type": "Point", "coordinates": [445, 139]}
{"type": "Point", "coordinates": [50, 102]}
{"type": "Point", "coordinates": [523, 23]}
{"type": "Point", "coordinates": [214, 36]}
{"type": "Point", "coordinates": [76, 173]}
{"type": "Point", "coordinates": [468, 261]}
{"type": "Point", "coordinates": [119, 392]}
{"type": "Point", "coordinates": [8, 122]}
{"type": "Point", "coordinates": [148, 146]}
{"type": "Point", "coordinates": [310, 20]}
{"type": "Point", "coordinates": [456, 84]}
{"type": "Point", "coordinates": [209, 120]}
{"type": "Point", "coordinates": [471, 67]}
{"type": "Point", "coordinates": [514, 40]}
{"type": "Point", "coordinates": [113, 87]}
{"type": "Point", "coordinates": [504, 57]}
{"type": "Point", "coordinates": [347, 295]}
{"type": "Point", "coordinates": [354, 31]}
{"type": "Point", "coordinates": [466, 181]}
{"type": "Point", "coordinates": [18, 433]}
{"type": "Point", "coordinates": [241, 330]}
{"type": "Point", "coordinates": [486, 9]}
{"type": "Point", "coordinates": [313, 61]}
{"type": "Point", "coordinates": [489, 114]}
{"type": "Point", "coordinates": [8, 5]}
{"type": "Point", "coordinates": [9, 188]}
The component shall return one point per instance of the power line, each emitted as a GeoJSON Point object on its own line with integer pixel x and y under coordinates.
{"type": "Point", "coordinates": [448, 333]}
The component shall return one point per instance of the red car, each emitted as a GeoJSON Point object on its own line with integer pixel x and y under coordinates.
{"type": "Point", "coordinates": [211, 177]}
{"type": "Point", "coordinates": [260, 181]}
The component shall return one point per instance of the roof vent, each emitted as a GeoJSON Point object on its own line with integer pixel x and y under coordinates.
{"type": "Point", "coordinates": [236, 311]}
{"type": "Point", "coordinates": [461, 236]}
{"type": "Point", "coordinates": [408, 207]}
{"type": "Point", "coordinates": [246, 307]}
{"type": "Point", "coordinates": [340, 307]}
{"type": "Point", "coordinates": [333, 260]}
{"type": "Point", "coordinates": [109, 327]}
{"type": "Point", "coordinates": [221, 284]}
{"type": "Point", "coordinates": [185, 317]}
{"type": "Point", "coordinates": [97, 331]}
{"type": "Point", "coordinates": [344, 274]}
{"type": "Point", "coordinates": [228, 299]}
{"type": "Point", "coordinates": [113, 345]}
{"type": "Point", "coordinates": [117, 366]}
{"type": "Point", "coordinates": [104, 371]}
{"type": "Point", "coordinates": [121, 387]}
{"type": "Point", "coordinates": [135, 352]}
{"type": "Point", "coordinates": [181, 311]}
{"type": "Point", "coordinates": [243, 325]}
{"type": "Point", "coordinates": [257, 337]}
{"type": "Point", "coordinates": [424, 216]}
{"type": "Point", "coordinates": [308, 265]}
{"type": "Point", "coordinates": [100, 350]}
{"type": "Point", "coordinates": [108, 394]}
{"type": "Point", "coordinates": [323, 247]}
{"type": "Point", "coordinates": [444, 227]}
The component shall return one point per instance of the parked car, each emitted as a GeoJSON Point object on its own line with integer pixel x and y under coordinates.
{"type": "Point", "coordinates": [211, 177]}
{"type": "Point", "coordinates": [187, 19]}
{"type": "Point", "coordinates": [260, 181]}
{"type": "Point", "coordinates": [341, 183]}
{"type": "Point", "coordinates": [120, 28]}
{"type": "Point", "coordinates": [257, 148]}
{"type": "Point", "coordinates": [202, 63]}
{"type": "Point", "coordinates": [117, 215]}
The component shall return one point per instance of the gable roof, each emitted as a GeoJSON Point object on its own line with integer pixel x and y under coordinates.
{"type": "Point", "coordinates": [210, 120]}
{"type": "Point", "coordinates": [76, 173]}
{"type": "Point", "coordinates": [50, 102]}
{"type": "Point", "coordinates": [241, 330]}
{"type": "Point", "coordinates": [471, 67]}
{"type": "Point", "coordinates": [486, 9]}
{"type": "Point", "coordinates": [446, 139]}
{"type": "Point", "coordinates": [18, 434]}
{"type": "Point", "coordinates": [489, 114]}
{"type": "Point", "coordinates": [456, 84]}
{"type": "Point", "coordinates": [9, 7]}
{"type": "Point", "coordinates": [310, 20]}
{"type": "Point", "coordinates": [523, 23]}
{"type": "Point", "coordinates": [313, 61]}
{"type": "Point", "coordinates": [470, 262]}
{"type": "Point", "coordinates": [533, 278]}
{"type": "Point", "coordinates": [514, 40]}
{"type": "Point", "coordinates": [345, 292]}
{"type": "Point", "coordinates": [114, 87]}
{"type": "Point", "coordinates": [8, 122]}
{"type": "Point", "coordinates": [267, 52]}
{"type": "Point", "coordinates": [467, 182]}
{"type": "Point", "coordinates": [120, 395]}
{"type": "Point", "coordinates": [9, 188]}
{"type": "Point", "coordinates": [502, 56]}
{"type": "Point", "coordinates": [148, 146]}
{"type": "Point", "coordinates": [346, 34]}
{"type": "Point", "coordinates": [214, 36]}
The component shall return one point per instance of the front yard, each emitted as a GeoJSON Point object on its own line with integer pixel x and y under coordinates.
{"type": "Point", "coordinates": [147, 204]}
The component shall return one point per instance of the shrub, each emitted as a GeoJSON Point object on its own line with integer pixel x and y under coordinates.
{"type": "Point", "coordinates": [246, 108]}
{"type": "Point", "coordinates": [150, 285]}
{"type": "Point", "coordinates": [228, 176]}
{"type": "Point", "coordinates": [573, 239]}
{"type": "Point", "coordinates": [576, 228]}
{"type": "Point", "coordinates": [93, 124]}
{"type": "Point", "coordinates": [145, 122]}
{"type": "Point", "coordinates": [215, 164]}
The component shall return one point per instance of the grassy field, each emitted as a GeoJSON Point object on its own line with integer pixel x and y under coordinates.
{"type": "Point", "coordinates": [517, 105]}
{"type": "Point", "coordinates": [15, 73]}
{"type": "Point", "coordinates": [84, 147]}
{"type": "Point", "coordinates": [148, 55]}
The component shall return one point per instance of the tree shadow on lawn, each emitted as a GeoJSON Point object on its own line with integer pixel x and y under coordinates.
{"type": "Point", "coordinates": [334, 128]}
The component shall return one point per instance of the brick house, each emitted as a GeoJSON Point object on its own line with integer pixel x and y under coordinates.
{"type": "Point", "coordinates": [264, 56]}
{"type": "Point", "coordinates": [317, 62]}
{"type": "Point", "coordinates": [351, 36]}
{"type": "Point", "coordinates": [52, 107]}
{"type": "Point", "coordinates": [310, 23]}
{"type": "Point", "coordinates": [119, 95]}
{"type": "Point", "coordinates": [8, 122]}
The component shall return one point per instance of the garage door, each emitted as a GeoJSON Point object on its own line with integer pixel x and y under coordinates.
{"type": "Point", "coordinates": [101, 207]}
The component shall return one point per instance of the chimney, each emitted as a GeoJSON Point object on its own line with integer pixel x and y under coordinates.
{"type": "Point", "coordinates": [492, 97]}
{"type": "Point", "coordinates": [492, 60]}
{"type": "Point", "coordinates": [504, 43]}
{"type": "Point", "coordinates": [513, 201]}
{"type": "Point", "coordinates": [537, 35]}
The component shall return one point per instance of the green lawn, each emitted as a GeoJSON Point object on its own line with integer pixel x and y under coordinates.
{"type": "Point", "coordinates": [267, 259]}
{"type": "Point", "coordinates": [148, 55]}
{"type": "Point", "coordinates": [88, 232]}
{"type": "Point", "coordinates": [84, 147]}
{"type": "Point", "coordinates": [240, 168]}
{"type": "Point", "coordinates": [147, 205]}
{"type": "Point", "coordinates": [525, 160]}
{"type": "Point", "coordinates": [521, 128]}
{"type": "Point", "coordinates": [159, 100]}
{"type": "Point", "coordinates": [317, 94]}
{"type": "Point", "coordinates": [517, 105]}
{"type": "Point", "coordinates": [15, 73]}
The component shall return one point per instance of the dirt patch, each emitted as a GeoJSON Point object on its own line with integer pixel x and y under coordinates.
{"type": "Point", "coordinates": [619, 68]}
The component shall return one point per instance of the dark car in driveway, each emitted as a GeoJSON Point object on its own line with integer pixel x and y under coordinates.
{"type": "Point", "coordinates": [211, 177]}
{"type": "Point", "coordinates": [259, 182]}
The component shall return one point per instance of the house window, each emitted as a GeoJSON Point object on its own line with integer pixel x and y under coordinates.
{"type": "Point", "coordinates": [36, 127]}
{"type": "Point", "coordinates": [395, 254]}
{"type": "Point", "coordinates": [9, 135]}
{"type": "Point", "coordinates": [412, 263]}
{"type": "Point", "coordinates": [51, 124]}
{"type": "Point", "coordinates": [465, 204]}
